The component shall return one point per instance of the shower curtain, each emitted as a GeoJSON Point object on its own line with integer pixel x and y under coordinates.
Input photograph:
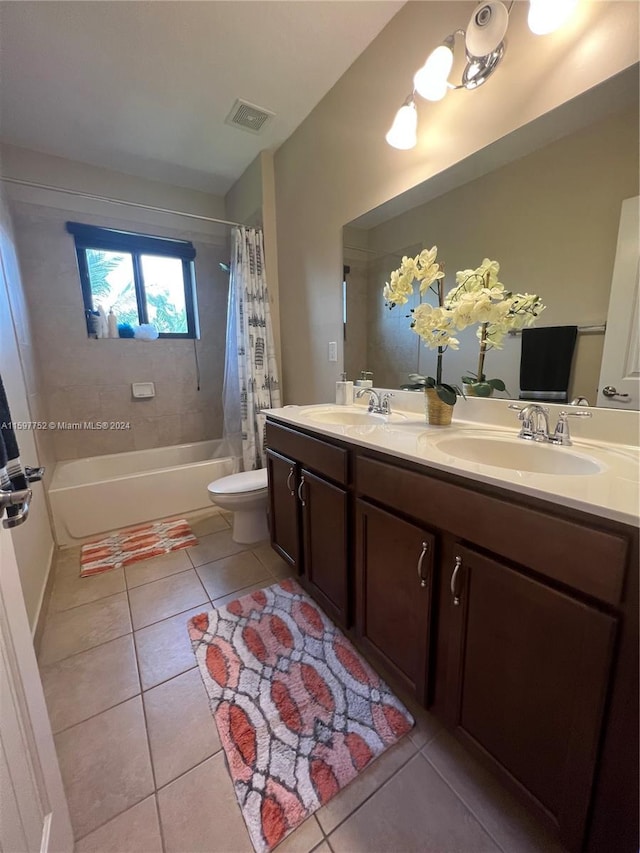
{"type": "Point", "coordinates": [251, 379]}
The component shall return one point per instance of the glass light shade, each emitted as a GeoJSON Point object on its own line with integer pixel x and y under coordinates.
{"type": "Point", "coordinates": [403, 130]}
{"type": "Point", "coordinates": [486, 29]}
{"type": "Point", "coordinates": [545, 16]}
{"type": "Point", "coordinates": [430, 81]}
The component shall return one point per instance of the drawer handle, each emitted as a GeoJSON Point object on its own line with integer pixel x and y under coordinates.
{"type": "Point", "coordinates": [300, 492]}
{"type": "Point", "coordinates": [289, 486]}
{"type": "Point", "coordinates": [454, 578]}
{"type": "Point", "coordinates": [423, 580]}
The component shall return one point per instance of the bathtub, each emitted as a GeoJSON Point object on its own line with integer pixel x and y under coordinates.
{"type": "Point", "coordinates": [103, 493]}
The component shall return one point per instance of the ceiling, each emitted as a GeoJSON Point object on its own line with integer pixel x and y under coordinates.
{"type": "Point", "coordinates": [144, 87]}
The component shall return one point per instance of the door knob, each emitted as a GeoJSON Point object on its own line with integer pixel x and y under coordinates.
{"type": "Point", "coordinates": [610, 391]}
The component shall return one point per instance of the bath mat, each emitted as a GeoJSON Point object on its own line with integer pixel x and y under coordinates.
{"type": "Point", "coordinates": [298, 711]}
{"type": "Point", "coordinates": [135, 544]}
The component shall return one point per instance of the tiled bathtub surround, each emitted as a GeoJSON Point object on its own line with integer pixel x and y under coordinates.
{"type": "Point", "coordinates": [141, 757]}
{"type": "Point", "coordinates": [90, 380]}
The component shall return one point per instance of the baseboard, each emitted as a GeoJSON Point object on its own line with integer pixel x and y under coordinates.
{"type": "Point", "coordinates": [38, 626]}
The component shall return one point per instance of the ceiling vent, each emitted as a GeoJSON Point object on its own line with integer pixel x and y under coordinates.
{"type": "Point", "coordinates": [249, 117]}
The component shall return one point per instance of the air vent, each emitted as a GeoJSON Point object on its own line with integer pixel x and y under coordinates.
{"type": "Point", "coordinates": [249, 117]}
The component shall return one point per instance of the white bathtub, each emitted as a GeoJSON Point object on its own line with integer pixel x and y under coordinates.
{"type": "Point", "coordinates": [102, 493]}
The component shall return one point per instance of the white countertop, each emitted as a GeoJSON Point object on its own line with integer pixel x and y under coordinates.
{"type": "Point", "coordinates": [613, 492]}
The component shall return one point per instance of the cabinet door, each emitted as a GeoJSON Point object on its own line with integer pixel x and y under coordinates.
{"type": "Point", "coordinates": [284, 507]}
{"type": "Point", "coordinates": [394, 570]}
{"type": "Point", "coordinates": [529, 673]}
{"type": "Point", "coordinates": [326, 560]}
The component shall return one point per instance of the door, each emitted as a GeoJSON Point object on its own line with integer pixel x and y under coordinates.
{"type": "Point", "coordinates": [283, 507]}
{"type": "Point", "coordinates": [620, 370]}
{"type": "Point", "coordinates": [529, 672]}
{"type": "Point", "coordinates": [394, 567]}
{"type": "Point", "coordinates": [326, 549]}
{"type": "Point", "coordinates": [33, 808]}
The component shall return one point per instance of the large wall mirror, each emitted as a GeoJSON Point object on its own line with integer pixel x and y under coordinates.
{"type": "Point", "coordinates": [544, 202]}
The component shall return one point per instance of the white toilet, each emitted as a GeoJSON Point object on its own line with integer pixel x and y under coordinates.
{"type": "Point", "coordinates": [245, 495]}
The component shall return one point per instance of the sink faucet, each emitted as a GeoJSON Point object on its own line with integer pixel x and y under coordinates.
{"type": "Point", "coordinates": [377, 405]}
{"type": "Point", "coordinates": [535, 422]}
{"type": "Point", "coordinates": [561, 434]}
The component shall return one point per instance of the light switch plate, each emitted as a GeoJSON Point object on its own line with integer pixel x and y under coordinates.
{"type": "Point", "coordinates": [333, 351]}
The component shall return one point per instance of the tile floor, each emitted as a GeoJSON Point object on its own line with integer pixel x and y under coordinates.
{"type": "Point", "coordinates": [139, 751]}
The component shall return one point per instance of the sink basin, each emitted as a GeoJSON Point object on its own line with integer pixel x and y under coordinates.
{"type": "Point", "coordinates": [518, 455]}
{"type": "Point", "coordinates": [347, 416]}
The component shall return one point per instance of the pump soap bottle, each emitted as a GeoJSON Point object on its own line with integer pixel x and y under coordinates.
{"type": "Point", "coordinates": [366, 379]}
{"type": "Point", "coordinates": [344, 391]}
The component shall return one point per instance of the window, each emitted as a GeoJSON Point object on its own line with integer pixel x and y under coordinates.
{"type": "Point", "coordinates": [144, 279]}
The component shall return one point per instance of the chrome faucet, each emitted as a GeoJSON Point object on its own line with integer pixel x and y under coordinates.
{"type": "Point", "coordinates": [535, 422]}
{"type": "Point", "coordinates": [561, 434]}
{"type": "Point", "coordinates": [377, 405]}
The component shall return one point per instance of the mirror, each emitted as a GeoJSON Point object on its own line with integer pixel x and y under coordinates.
{"type": "Point", "coordinates": [544, 202]}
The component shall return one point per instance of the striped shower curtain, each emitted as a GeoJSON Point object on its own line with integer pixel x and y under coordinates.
{"type": "Point", "coordinates": [251, 364]}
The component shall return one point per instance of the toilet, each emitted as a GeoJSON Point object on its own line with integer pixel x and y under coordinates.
{"type": "Point", "coordinates": [245, 495]}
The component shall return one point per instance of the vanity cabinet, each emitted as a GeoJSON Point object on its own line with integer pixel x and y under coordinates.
{"type": "Point", "coordinates": [529, 672]}
{"type": "Point", "coordinates": [284, 523]}
{"type": "Point", "coordinates": [514, 619]}
{"type": "Point", "coordinates": [394, 592]}
{"type": "Point", "coordinates": [309, 514]}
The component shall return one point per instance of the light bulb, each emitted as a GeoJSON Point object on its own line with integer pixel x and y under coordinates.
{"type": "Point", "coordinates": [402, 133]}
{"type": "Point", "coordinates": [430, 81]}
{"type": "Point", "coordinates": [545, 16]}
{"type": "Point", "coordinates": [486, 28]}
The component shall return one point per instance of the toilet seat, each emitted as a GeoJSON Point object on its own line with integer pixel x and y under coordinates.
{"type": "Point", "coordinates": [244, 483]}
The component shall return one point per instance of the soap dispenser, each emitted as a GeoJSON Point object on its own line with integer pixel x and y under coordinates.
{"type": "Point", "coordinates": [365, 380]}
{"type": "Point", "coordinates": [344, 391]}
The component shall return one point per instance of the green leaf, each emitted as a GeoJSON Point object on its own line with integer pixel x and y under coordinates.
{"type": "Point", "coordinates": [498, 384]}
{"type": "Point", "coordinates": [469, 380]}
{"type": "Point", "coordinates": [482, 389]}
{"type": "Point", "coordinates": [446, 394]}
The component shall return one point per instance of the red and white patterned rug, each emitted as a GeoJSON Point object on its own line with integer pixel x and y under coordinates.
{"type": "Point", "coordinates": [299, 712]}
{"type": "Point", "coordinates": [135, 544]}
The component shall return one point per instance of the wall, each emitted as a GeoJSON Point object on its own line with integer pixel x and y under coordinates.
{"type": "Point", "coordinates": [568, 197]}
{"type": "Point", "coordinates": [33, 540]}
{"type": "Point", "coordinates": [89, 380]}
{"type": "Point", "coordinates": [337, 164]}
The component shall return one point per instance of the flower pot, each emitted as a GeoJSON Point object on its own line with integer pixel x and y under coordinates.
{"type": "Point", "coordinates": [470, 390]}
{"type": "Point", "coordinates": [438, 412]}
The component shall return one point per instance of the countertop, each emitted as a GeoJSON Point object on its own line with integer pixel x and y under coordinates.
{"type": "Point", "coordinates": [613, 492]}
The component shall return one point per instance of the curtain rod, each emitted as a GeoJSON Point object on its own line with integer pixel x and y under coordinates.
{"type": "Point", "coordinates": [118, 201]}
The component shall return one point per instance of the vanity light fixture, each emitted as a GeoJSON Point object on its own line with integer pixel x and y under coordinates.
{"type": "Point", "coordinates": [484, 48]}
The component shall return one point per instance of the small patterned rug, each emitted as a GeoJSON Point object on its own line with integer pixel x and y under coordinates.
{"type": "Point", "coordinates": [135, 544]}
{"type": "Point", "coordinates": [299, 712]}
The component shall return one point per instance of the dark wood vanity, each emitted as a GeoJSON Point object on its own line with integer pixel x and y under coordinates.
{"type": "Point", "coordinates": [515, 620]}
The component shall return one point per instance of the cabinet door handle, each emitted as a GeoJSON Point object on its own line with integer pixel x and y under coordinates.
{"type": "Point", "coordinates": [300, 492]}
{"type": "Point", "coordinates": [423, 580]}
{"type": "Point", "coordinates": [454, 578]}
{"type": "Point", "coordinates": [289, 486]}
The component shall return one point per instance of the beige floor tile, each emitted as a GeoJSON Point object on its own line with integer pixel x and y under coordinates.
{"type": "Point", "coordinates": [322, 848]}
{"type": "Point", "coordinates": [182, 731]}
{"type": "Point", "coordinates": [67, 561]}
{"type": "Point", "coordinates": [164, 649]}
{"type": "Point", "coordinates": [166, 597]}
{"type": "Point", "coordinates": [303, 839]}
{"type": "Point", "coordinates": [80, 686]}
{"type": "Point", "coordinates": [278, 567]}
{"type": "Point", "coordinates": [501, 815]}
{"type": "Point", "coordinates": [72, 590]}
{"type": "Point", "coordinates": [209, 524]}
{"type": "Point", "coordinates": [156, 568]}
{"type": "Point", "coordinates": [415, 812]}
{"type": "Point", "coordinates": [105, 765]}
{"type": "Point", "coordinates": [84, 627]}
{"type": "Point", "coordinates": [199, 812]}
{"type": "Point", "coordinates": [232, 573]}
{"type": "Point", "coordinates": [214, 547]}
{"type": "Point", "coordinates": [364, 785]}
{"type": "Point", "coordinates": [135, 831]}
{"type": "Point", "coordinates": [225, 599]}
